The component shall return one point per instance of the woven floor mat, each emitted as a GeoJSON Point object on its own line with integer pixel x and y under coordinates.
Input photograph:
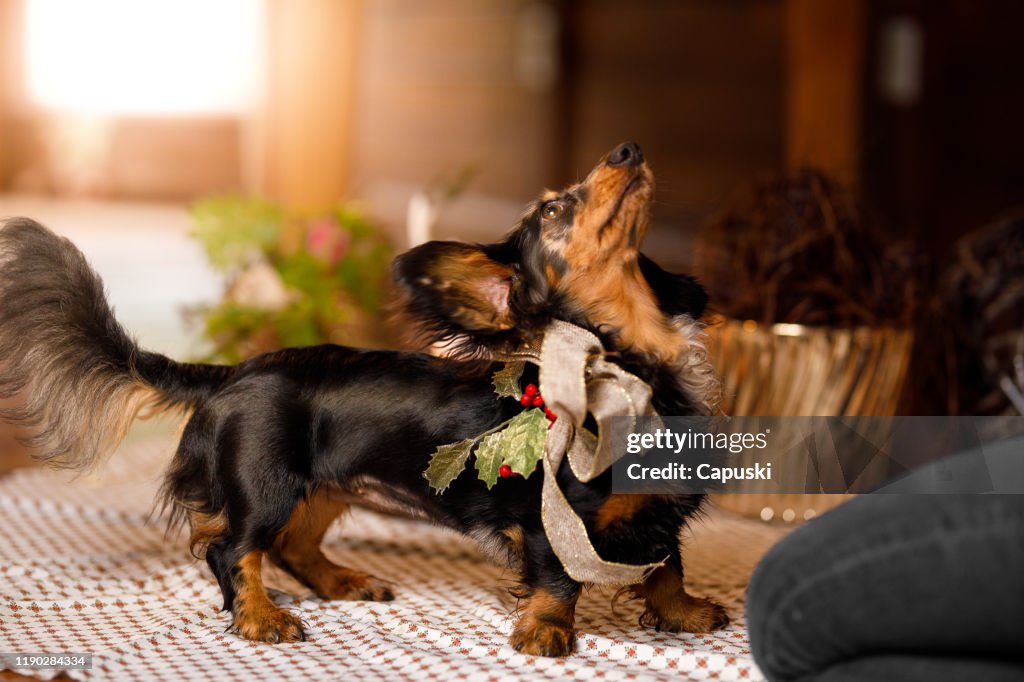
{"type": "Point", "coordinates": [83, 569]}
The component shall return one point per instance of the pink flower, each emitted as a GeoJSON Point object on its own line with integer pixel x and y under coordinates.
{"type": "Point", "coordinates": [326, 240]}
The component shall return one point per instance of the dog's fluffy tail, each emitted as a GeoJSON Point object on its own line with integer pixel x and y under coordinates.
{"type": "Point", "coordinates": [79, 378]}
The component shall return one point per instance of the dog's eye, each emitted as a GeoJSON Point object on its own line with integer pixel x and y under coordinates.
{"type": "Point", "coordinates": [551, 210]}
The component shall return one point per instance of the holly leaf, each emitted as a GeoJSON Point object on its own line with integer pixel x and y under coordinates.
{"type": "Point", "coordinates": [506, 380]}
{"type": "Point", "coordinates": [447, 463]}
{"type": "Point", "coordinates": [489, 458]}
{"type": "Point", "coordinates": [523, 441]}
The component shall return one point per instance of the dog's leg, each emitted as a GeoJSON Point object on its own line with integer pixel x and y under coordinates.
{"type": "Point", "coordinates": [253, 516]}
{"type": "Point", "coordinates": [296, 549]}
{"type": "Point", "coordinates": [670, 608]}
{"type": "Point", "coordinates": [255, 616]}
{"type": "Point", "coordinates": [240, 576]}
{"type": "Point", "coordinates": [546, 625]}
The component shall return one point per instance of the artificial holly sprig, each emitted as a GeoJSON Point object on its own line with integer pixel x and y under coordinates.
{"type": "Point", "coordinates": [510, 448]}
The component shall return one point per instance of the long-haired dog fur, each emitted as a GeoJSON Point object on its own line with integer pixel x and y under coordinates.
{"type": "Point", "coordinates": [279, 446]}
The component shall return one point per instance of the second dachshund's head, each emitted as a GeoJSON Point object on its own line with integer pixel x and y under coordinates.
{"type": "Point", "coordinates": [574, 256]}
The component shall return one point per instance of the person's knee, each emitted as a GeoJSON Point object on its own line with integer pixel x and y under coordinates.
{"type": "Point", "coordinates": [832, 587]}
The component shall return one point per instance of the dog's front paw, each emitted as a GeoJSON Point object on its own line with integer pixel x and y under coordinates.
{"type": "Point", "coordinates": [273, 625]}
{"type": "Point", "coordinates": [539, 638]}
{"type": "Point", "coordinates": [694, 614]}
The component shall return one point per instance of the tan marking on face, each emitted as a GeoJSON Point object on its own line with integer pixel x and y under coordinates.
{"type": "Point", "coordinates": [604, 276]}
{"type": "Point", "coordinates": [618, 198]}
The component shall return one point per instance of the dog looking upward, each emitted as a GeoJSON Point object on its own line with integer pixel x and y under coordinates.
{"type": "Point", "coordinates": [279, 446]}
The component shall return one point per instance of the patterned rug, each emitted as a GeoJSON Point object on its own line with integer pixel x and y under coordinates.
{"type": "Point", "coordinates": [83, 569]}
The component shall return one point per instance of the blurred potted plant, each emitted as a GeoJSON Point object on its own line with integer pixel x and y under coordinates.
{"type": "Point", "coordinates": [292, 279]}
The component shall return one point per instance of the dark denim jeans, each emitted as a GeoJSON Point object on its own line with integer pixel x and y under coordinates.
{"type": "Point", "coordinates": [895, 587]}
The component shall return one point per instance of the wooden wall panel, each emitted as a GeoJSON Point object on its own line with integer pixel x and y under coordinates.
{"type": "Point", "coordinates": [10, 65]}
{"type": "Point", "coordinates": [305, 130]}
{"type": "Point", "coordinates": [824, 68]}
{"type": "Point", "coordinates": [440, 89]}
{"type": "Point", "coordinates": [698, 84]}
{"type": "Point", "coordinates": [174, 158]}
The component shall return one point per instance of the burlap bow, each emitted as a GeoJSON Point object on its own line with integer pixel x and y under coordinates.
{"type": "Point", "coordinates": [576, 379]}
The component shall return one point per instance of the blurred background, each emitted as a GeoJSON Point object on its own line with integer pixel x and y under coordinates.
{"type": "Point", "coordinates": [917, 103]}
{"type": "Point", "coordinates": [842, 174]}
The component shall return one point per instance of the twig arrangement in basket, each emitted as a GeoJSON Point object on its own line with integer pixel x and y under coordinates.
{"type": "Point", "coordinates": [799, 250]}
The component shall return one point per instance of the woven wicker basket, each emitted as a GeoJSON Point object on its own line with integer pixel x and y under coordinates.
{"type": "Point", "coordinates": [796, 370]}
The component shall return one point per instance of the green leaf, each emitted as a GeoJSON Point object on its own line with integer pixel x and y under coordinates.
{"type": "Point", "coordinates": [518, 442]}
{"type": "Point", "coordinates": [506, 380]}
{"type": "Point", "coordinates": [523, 441]}
{"type": "Point", "coordinates": [489, 458]}
{"type": "Point", "coordinates": [520, 445]}
{"type": "Point", "coordinates": [447, 463]}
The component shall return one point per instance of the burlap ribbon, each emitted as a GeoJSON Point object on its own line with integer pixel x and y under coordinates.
{"type": "Point", "coordinates": [576, 379]}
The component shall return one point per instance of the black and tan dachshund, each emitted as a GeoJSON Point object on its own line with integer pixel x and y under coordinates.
{"type": "Point", "coordinates": [279, 446]}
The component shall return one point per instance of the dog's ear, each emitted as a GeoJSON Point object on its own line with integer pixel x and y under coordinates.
{"type": "Point", "coordinates": [677, 294]}
{"type": "Point", "coordinates": [454, 288]}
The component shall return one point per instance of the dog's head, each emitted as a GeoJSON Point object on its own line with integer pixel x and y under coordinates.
{"type": "Point", "coordinates": [574, 256]}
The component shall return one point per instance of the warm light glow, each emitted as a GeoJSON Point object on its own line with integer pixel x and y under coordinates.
{"type": "Point", "coordinates": [144, 57]}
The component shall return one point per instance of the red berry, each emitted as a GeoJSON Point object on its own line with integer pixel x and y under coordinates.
{"type": "Point", "coordinates": [504, 471]}
{"type": "Point", "coordinates": [530, 390]}
{"type": "Point", "coordinates": [548, 413]}
{"type": "Point", "coordinates": [537, 401]}
{"type": "Point", "coordinates": [525, 400]}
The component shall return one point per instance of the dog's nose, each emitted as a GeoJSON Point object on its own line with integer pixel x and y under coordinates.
{"type": "Point", "coordinates": [626, 154]}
